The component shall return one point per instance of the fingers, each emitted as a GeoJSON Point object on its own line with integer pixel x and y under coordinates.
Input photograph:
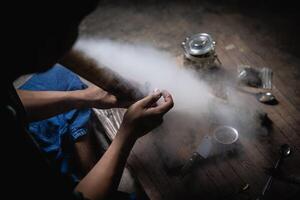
{"type": "Point", "coordinates": [164, 107]}
{"type": "Point", "coordinates": [150, 99]}
{"type": "Point", "coordinates": [167, 96]}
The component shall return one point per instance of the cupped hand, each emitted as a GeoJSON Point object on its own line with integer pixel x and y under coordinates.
{"type": "Point", "coordinates": [145, 115]}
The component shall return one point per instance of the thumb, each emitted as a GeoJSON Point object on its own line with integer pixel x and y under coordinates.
{"type": "Point", "coordinates": [150, 99]}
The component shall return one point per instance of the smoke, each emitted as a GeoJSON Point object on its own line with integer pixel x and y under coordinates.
{"type": "Point", "coordinates": [152, 69]}
{"type": "Point", "coordinates": [197, 110]}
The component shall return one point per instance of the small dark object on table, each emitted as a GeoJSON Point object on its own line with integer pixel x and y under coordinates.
{"type": "Point", "coordinates": [267, 98]}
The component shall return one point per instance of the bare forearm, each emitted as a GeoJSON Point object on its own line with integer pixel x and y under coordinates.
{"type": "Point", "coordinates": [139, 119]}
{"type": "Point", "coordinates": [44, 104]}
{"type": "Point", "coordinates": [104, 178]}
{"type": "Point", "coordinates": [101, 76]}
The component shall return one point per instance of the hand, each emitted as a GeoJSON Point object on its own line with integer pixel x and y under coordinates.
{"type": "Point", "coordinates": [99, 98]}
{"type": "Point", "coordinates": [145, 115]}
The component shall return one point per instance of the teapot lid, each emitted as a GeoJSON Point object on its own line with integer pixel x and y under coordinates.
{"type": "Point", "coordinates": [199, 44]}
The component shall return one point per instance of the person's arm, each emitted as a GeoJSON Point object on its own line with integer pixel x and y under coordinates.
{"type": "Point", "coordinates": [87, 151]}
{"type": "Point", "coordinates": [139, 119]}
{"type": "Point", "coordinates": [85, 66]}
{"type": "Point", "coordinates": [44, 104]}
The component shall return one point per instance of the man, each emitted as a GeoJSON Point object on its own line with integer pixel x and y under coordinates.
{"type": "Point", "coordinates": [45, 32]}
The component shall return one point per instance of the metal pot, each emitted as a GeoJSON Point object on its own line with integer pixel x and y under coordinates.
{"type": "Point", "coordinates": [199, 51]}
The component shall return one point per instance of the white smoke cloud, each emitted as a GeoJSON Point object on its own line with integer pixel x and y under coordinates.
{"type": "Point", "coordinates": [147, 65]}
{"type": "Point", "coordinates": [196, 108]}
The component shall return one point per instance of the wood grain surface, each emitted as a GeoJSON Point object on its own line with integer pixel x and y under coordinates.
{"type": "Point", "coordinates": [242, 38]}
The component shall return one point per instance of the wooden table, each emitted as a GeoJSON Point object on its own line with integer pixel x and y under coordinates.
{"type": "Point", "coordinates": [241, 39]}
